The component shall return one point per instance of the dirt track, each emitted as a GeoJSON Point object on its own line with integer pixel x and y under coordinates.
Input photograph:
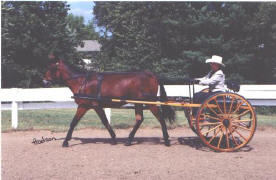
{"type": "Point", "coordinates": [90, 156]}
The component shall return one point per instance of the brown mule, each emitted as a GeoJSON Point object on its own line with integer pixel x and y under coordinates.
{"type": "Point", "coordinates": [125, 85]}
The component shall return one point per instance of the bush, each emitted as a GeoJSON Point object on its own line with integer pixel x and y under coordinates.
{"type": "Point", "coordinates": [266, 110]}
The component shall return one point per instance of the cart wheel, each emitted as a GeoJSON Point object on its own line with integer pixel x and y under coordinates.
{"type": "Point", "coordinates": [226, 122]}
{"type": "Point", "coordinates": [189, 116]}
{"type": "Point", "coordinates": [191, 119]}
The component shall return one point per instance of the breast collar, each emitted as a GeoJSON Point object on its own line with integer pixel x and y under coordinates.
{"type": "Point", "coordinates": [100, 77]}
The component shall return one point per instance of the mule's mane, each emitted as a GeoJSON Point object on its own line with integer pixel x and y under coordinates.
{"type": "Point", "coordinates": [78, 71]}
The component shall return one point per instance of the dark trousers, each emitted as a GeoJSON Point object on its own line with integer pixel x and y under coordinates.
{"type": "Point", "coordinates": [199, 98]}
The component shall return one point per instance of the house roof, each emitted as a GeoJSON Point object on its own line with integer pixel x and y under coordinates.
{"type": "Point", "coordinates": [89, 45]}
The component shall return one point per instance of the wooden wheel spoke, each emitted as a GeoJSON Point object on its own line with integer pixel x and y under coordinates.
{"type": "Point", "coordinates": [201, 128]}
{"type": "Point", "coordinates": [235, 130]}
{"type": "Point", "coordinates": [242, 123]}
{"type": "Point", "coordinates": [212, 110]}
{"type": "Point", "coordinates": [215, 134]}
{"type": "Point", "coordinates": [242, 114]}
{"type": "Point", "coordinates": [245, 107]}
{"type": "Point", "coordinates": [244, 120]}
{"type": "Point", "coordinates": [208, 129]}
{"type": "Point", "coordinates": [211, 117]}
{"type": "Point", "coordinates": [220, 139]}
{"type": "Point", "coordinates": [209, 124]}
{"type": "Point", "coordinates": [231, 105]}
{"type": "Point", "coordinates": [218, 106]}
{"type": "Point", "coordinates": [242, 127]}
{"type": "Point", "coordinates": [234, 139]}
{"type": "Point", "coordinates": [238, 107]}
{"type": "Point", "coordinates": [224, 104]}
{"type": "Point", "coordinates": [212, 129]}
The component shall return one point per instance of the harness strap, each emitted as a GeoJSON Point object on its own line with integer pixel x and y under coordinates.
{"type": "Point", "coordinates": [76, 76]}
{"type": "Point", "coordinates": [84, 82]}
{"type": "Point", "coordinates": [100, 77]}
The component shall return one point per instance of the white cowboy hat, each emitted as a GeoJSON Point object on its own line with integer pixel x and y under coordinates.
{"type": "Point", "coordinates": [215, 59]}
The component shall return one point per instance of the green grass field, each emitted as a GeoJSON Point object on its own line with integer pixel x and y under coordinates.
{"type": "Point", "coordinates": [59, 119]}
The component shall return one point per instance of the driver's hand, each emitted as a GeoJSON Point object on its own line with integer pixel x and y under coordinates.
{"type": "Point", "coordinates": [195, 81]}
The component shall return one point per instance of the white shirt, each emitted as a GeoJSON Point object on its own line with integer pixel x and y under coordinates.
{"type": "Point", "coordinates": [215, 83]}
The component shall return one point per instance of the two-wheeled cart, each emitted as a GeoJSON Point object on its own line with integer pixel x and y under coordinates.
{"type": "Point", "coordinates": [224, 122]}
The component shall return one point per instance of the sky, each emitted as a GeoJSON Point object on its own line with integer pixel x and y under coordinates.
{"type": "Point", "coordinates": [82, 8]}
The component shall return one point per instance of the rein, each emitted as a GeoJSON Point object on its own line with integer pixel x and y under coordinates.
{"type": "Point", "coordinates": [84, 81]}
{"type": "Point", "coordinates": [76, 76]}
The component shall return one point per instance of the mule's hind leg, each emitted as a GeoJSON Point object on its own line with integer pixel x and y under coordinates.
{"type": "Point", "coordinates": [80, 112]}
{"type": "Point", "coordinates": [139, 119]}
{"type": "Point", "coordinates": [157, 113]}
{"type": "Point", "coordinates": [105, 122]}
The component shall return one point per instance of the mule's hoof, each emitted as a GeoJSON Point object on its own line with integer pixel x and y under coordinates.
{"type": "Point", "coordinates": [113, 136]}
{"type": "Point", "coordinates": [128, 143]}
{"type": "Point", "coordinates": [65, 144]}
{"type": "Point", "coordinates": [113, 141]}
{"type": "Point", "coordinates": [167, 143]}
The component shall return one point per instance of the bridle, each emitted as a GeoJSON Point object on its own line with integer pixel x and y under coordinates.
{"type": "Point", "coordinates": [73, 77]}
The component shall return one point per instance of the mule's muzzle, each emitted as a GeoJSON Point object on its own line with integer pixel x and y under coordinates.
{"type": "Point", "coordinates": [47, 83]}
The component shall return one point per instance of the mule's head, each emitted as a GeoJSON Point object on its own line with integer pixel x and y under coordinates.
{"type": "Point", "coordinates": [52, 74]}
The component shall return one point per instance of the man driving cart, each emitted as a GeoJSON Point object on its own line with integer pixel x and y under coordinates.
{"type": "Point", "coordinates": [215, 79]}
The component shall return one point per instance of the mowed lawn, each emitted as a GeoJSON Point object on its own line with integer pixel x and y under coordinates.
{"type": "Point", "coordinates": [59, 119]}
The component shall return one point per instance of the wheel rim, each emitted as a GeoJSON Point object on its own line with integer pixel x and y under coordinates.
{"type": "Point", "coordinates": [191, 120]}
{"type": "Point", "coordinates": [226, 122]}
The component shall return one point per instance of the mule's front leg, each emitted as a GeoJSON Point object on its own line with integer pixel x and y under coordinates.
{"type": "Point", "coordinates": [80, 112]}
{"type": "Point", "coordinates": [105, 122]}
{"type": "Point", "coordinates": [139, 119]}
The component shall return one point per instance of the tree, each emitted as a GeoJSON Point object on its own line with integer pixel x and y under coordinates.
{"type": "Point", "coordinates": [30, 31]}
{"type": "Point", "coordinates": [263, 27]}
{"type": "Point", "coordinates": [77, 26]}
{"type": "Point", "coordinates": [175, 38]}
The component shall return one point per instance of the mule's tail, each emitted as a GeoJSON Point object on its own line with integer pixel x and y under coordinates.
{"type": "Point", "coordinates": [167, 111]}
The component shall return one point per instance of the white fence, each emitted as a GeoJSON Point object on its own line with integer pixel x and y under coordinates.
{"type": "Point", "coordinates": [48, 98]}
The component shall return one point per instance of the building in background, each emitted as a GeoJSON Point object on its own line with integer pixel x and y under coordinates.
{"type": "Point", "coordinates": [89, 50]}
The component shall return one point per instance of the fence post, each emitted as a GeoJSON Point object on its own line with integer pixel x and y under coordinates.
{"type": "Point", "coordinates": [108, 114]}
{"type": "Point", "coordinates": [14, 114]}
